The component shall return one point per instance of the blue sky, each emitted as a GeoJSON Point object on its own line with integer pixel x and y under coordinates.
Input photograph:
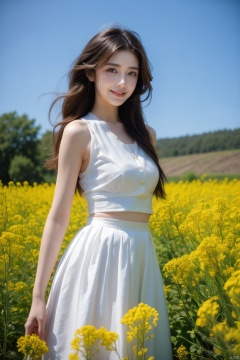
{"type": "Point", "coordinates": [193, 46]}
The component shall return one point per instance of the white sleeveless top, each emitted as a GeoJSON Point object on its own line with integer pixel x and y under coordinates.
{"type": "Point", "coordinates": [119, 177]}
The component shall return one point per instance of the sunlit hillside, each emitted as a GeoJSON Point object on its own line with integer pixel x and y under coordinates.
{"type": "Point", "coordinates": [221, 162]}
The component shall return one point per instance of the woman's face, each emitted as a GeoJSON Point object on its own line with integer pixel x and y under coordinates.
{"type": "Point", "coordinates": [116, 81]}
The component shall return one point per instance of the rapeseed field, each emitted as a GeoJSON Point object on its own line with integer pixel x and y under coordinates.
{"type": "Point", "coordinates": [196, 231]}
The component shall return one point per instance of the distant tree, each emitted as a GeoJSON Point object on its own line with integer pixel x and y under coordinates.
{"type": "Point", "coordinates": [18, 137]}
{"type": "Point", "coordinates": [46, 150]}
{"type": "Point", "coordinates": [45, 146]}
{"type": "Point", "coordinates": [207, 142]}
{"type": "Point", "coordinates": [21, 169]}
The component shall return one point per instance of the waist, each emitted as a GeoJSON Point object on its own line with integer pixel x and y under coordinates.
{"type": "Point", "coordinates": [104, 204]}
{"type": "Point", "coordinates": [119, 224]}
{"type": "Point", "coordinates": [123, 215]}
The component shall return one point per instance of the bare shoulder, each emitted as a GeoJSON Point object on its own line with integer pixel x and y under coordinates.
{"type": "Point", "coordinates": [77, 130]}
{"type": "Point", "coordinates": [152, 134]}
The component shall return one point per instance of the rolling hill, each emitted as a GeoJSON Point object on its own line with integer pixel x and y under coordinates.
{"type": "Point", "coordinates": [220, 162]}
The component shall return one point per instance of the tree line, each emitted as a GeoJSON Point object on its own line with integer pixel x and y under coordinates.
{"type": "Point", "coordinates": [23, 151]}
{"type": "Point", "coordinates": [203, 143]}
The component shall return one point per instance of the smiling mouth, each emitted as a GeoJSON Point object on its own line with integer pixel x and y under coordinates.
{"type": "Point", "coordinates": [120, 94]}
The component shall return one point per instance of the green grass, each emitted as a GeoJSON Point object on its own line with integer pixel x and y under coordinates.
{"type": "Point", "coordinates": [192, 176]}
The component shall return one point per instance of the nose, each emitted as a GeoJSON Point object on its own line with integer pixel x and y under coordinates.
{"type": "Point", "coordinates": [121, 80]}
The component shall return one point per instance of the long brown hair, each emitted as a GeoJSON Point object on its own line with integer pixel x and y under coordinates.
{"type": "Point", "coordinates": [79, 99]}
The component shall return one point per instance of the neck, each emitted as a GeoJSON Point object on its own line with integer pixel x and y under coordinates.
{"type": "Point", "coordinates": [106, 114]}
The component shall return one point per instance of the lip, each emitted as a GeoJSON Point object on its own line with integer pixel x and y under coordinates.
{"type": "Point", "coordinates": [118, 94]}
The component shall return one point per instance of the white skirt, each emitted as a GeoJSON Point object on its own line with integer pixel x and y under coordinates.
{"type": "Point", "coordinates": [109, 267]}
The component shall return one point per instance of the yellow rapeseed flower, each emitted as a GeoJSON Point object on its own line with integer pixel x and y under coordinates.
{"type": "Point", "coordinates": [232, 287]}
{"type": "Point", "coordinates": [32, 346]}
{"type": "Point", "coordinates": [182, 353]}
{"type": "Point", "coordinates": [140, 320]}
{"type": "Point", "coordinates": [88, 341]}
{"type": "Point", "coordinates": [207, 312]}
{"type": "Point", "coordinates": [229, 338]}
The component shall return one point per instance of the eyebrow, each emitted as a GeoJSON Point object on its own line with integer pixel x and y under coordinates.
{"type": "Point", "coordinates": [117, 65]}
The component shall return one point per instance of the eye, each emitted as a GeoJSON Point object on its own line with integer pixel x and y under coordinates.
{"type": "Point", "coordinates": [133, 73]}
{"type": "Point", "coordinates": [111, 70]}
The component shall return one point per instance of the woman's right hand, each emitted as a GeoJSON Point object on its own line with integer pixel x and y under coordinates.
{"type": "Point", "coordinates": [35, 323]}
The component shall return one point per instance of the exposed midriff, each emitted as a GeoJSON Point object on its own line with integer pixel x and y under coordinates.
{"type": "Point", "coordinates": [125, 216]}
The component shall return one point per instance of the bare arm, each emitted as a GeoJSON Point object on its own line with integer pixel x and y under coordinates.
{"type": "Point", "coordinates": [71, 153]}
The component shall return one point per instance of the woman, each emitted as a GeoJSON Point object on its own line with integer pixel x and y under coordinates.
{"type": "Point", "coordinates": [105, 151]}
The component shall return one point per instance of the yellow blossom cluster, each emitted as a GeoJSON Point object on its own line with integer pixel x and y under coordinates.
{"type": "Point", "coordinates": [32, 346]}
{"type": "Point", "coordinates": [212, 249]}
{"type": "Point", "coordinates": [197, 237]}
{"type": "Point", "coordinates": [88, 341]}
{"type": "Point", "coordinates": [140, 320]}
{"type": "Point", "coordinates": [194, 210]}
{"type": "Point", "coordinates": [207, 312]}
{"type": "Point", "coordinates": [232, 287]}
{"type": "Point", "coordinates": [226, 339]}
{"type": "Point", "coordinates": [182, 353]}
